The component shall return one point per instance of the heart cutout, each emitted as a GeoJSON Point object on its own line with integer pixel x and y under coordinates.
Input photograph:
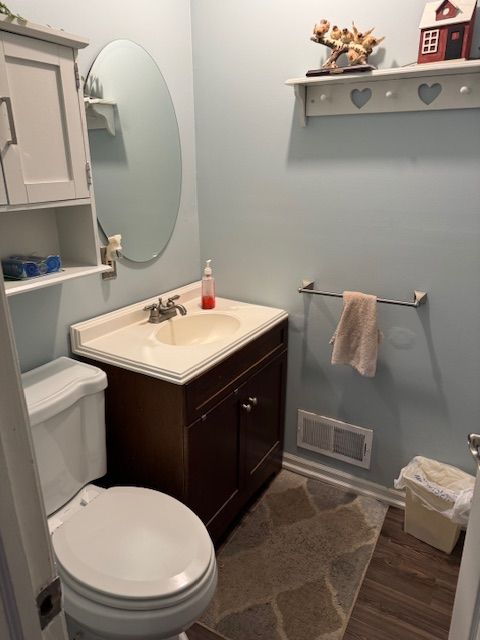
{"type": "Point", "coordinates": [360, 97]}
{"type": "Point", "coordinates": [429, 92]}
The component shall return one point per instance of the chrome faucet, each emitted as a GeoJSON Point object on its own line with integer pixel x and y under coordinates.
{"type": "Point", "coordinates": [160, 312]}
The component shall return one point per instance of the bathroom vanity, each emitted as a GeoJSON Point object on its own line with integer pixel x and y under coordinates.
{"type": "Point", "coordinates": [206, 424]}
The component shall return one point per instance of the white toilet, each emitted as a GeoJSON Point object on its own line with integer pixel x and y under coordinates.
{"type": "Point", "coordinates": [134, 563]}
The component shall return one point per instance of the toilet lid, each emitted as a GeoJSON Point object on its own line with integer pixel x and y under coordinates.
{"type": "Point", "coordinates": [134, 543]}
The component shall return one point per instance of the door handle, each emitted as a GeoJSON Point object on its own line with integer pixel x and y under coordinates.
{"type": "Point", "coordinates": [11, 122]}
{"type": "Point", "coordinates": [474, 446]}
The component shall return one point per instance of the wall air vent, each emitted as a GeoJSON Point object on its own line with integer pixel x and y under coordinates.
{"type": "Point", "coordinates": [334, 438]}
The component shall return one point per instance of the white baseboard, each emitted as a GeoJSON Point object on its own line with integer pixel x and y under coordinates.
{"type": "Point", "coordinates": [344, 480]}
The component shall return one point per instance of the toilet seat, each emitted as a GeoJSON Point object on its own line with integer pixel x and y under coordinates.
{"type": "Point", "coordinates": [112, 619]}
{"type": "Point", "coordinates": [133, 548]}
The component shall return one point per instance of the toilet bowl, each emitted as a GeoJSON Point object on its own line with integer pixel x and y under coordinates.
{"type": "Point", "coordinates": [134, 563]}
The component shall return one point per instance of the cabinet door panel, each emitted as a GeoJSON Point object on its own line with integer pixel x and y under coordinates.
{"type": "Point", "coordinates": [262, 427]}
{"type": "Point", "coordinates": [213, 481]}
{"type": "Point", "coordinates": [48, 161]}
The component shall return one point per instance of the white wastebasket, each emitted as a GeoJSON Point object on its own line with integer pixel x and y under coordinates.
{"type": "Point", "coordinates": [437, 501]}
{"type": "Point", "coordinates": [428, 525]}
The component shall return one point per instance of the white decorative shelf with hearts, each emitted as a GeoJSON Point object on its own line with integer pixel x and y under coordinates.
{"type": "Point", "coordinates": [419, 87]}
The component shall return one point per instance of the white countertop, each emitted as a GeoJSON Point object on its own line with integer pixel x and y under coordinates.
{"type": "Point", "coordinates": [125, 337]}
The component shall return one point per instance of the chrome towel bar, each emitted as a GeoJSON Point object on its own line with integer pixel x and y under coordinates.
{"type": "Point", "coordinates": [419, 297]}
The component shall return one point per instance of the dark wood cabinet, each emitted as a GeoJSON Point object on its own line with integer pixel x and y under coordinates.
{"type": "Point", "coordinates": [211, 443]}
{"type": "Point", "coordinates": [261, 403]}
{"type": "Point", "coordinates": [214, 478]}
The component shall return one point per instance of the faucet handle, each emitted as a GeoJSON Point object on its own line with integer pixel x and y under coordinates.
{"type": "Point", "coordinates": [171, 300]}
{"type": "Point", "coordinates": [154, 312]}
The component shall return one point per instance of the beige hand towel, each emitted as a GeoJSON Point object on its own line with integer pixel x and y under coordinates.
{"type": "Point", "coordinates": [355, 341]}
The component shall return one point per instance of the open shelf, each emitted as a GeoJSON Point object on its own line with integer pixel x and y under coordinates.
{"type": "Point", "coordinates": [69, 232]}
{"type": "Point", "coordinates": [419, 87]}
{"type": "Point", "coordinates": [100, 114]}
{"type": "Point", "coordinates": [13, 287]}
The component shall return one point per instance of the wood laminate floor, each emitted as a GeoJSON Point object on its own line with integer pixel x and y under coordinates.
{"type": "Point", "coordinates": [200, 632]}
{"type": "Point", "coordinates": [407, 593]}
{"type": "Point", "coordinates": [408, 590]}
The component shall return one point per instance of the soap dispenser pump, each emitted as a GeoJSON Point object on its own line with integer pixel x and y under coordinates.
{"type": "Point", "coordinates": [208, 287]}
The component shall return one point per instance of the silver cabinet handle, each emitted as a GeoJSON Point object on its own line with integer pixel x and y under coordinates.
{"type": "Point", "coordinates": [474, 445]}
{"type": "Point", "coordinates": [253, 401]}
{"type": "Point", "coordinates": [246, 407]}
{"type": "Point", "coordinates": [11, 122]}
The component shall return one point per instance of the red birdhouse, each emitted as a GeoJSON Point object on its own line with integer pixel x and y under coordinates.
{"type": "Point", "coordinates": [446, 30]}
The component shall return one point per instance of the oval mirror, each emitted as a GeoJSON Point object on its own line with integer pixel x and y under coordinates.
{"type": "Point", "coordinates": [135, 147]}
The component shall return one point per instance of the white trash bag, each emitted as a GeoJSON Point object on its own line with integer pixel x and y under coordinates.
{"type": "Point", "coordinates": [440, 487]}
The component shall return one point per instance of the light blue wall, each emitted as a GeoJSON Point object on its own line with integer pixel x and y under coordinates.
{"type": "Point", "coordinates": [382, 203]}
{"type": "Point", "coordinates": [42, 319]}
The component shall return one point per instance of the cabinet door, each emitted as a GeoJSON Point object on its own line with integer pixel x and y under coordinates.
{"type": "Point", "coordinates": [262, 405]}
{"type": "Point", "coordinates": [213, 471]}
{"type": "Point", "coordinates": [41, 133]}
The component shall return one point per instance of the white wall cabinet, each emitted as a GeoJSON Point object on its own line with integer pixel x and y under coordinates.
{"type": "Point", "coordinates": [43, 152]}
{"type": "Point", "coordinates": [46, 202]}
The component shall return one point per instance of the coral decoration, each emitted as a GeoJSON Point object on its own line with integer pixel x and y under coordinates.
{"type": "Point", "coordinates": [355, 44]}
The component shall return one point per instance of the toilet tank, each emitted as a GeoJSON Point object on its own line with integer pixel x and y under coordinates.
{"type": "Point", "coordinates": [66, 405]}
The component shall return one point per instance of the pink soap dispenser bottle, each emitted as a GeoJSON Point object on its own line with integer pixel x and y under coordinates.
{"type": "Point", "coordinates": [208, 288]}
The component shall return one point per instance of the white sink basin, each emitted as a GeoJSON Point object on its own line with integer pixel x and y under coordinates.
{"type": "Point", "coordinates": [199, 329]}
{"type": "Point", "coordinates": [178, 349]}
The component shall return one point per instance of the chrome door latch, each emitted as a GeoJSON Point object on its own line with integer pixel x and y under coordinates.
{"type": "Point", "coordinates": [474, 445]}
